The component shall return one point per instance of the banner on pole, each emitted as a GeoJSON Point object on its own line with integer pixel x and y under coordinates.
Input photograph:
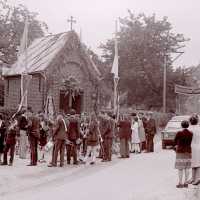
{"type": "Point", "coordinates": [179, 89]}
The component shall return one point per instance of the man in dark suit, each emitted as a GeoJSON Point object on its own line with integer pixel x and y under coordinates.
{"type": "Point", "coordinates": [150, 130]}
{"type": "Point", "coordinates": [73, 135]}
{"type": "Point", "coordinates": [59, 135]}
{"type": "Point", "coordinates": [107, 136]}
{"type": "Point", "coordinates": [33, 135]}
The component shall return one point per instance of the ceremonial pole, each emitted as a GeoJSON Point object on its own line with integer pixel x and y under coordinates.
{"type": "Point", "coordinates": [116, 76]}
{"type": "Point", "coordinates": [23, 50]}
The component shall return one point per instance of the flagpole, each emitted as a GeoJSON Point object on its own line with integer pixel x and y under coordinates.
{"type": "Point", "coordinates": [116, 77]}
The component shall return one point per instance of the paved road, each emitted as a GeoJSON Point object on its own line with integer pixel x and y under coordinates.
{"type": "Point", "coordinates": [147, 176]}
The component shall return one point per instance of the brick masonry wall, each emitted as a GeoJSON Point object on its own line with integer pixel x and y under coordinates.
{"type": "Point", "coordinates": [12, 92]}
{"type": "Point", "coordinates": [35, 92]}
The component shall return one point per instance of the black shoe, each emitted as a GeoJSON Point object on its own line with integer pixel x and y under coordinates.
{"type": "Point", "coordinates": [4, 163]}
{"type": "Point", "coordinates": [92, 163]}
{"type": "Point", "coordinates": [196, 182]}
{"type": "Point", "coordinates": [10, 164]}
{"type": "Point", "coordinates": [32, 165]}
{"type": "Point", "coordinates": [50, 165]}
{"type": "Point", "coordinates": [122, 157]}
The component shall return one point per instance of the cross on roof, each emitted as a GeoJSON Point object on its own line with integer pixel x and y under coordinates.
{"type": "Point", "coordinates": [71, 21]}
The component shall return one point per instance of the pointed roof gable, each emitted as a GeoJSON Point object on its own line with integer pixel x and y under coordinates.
{"type": "Point", "coordinates": [40, 54]}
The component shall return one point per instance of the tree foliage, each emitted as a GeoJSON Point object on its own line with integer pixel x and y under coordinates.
{"type": "Point", "coordinates": [12, 19]}
{"type": "Point", "coordinates": [143, 43]}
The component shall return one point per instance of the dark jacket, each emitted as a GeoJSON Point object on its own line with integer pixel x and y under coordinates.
{"type": "Point", "coordinates": [124, 129]}
{"type": "Point", "coordinates": [183, 141]}
{"type": "Point", "coordinates": [34, 127]}
{"type": "Point", "coordinates": [150, 127]}
{"type": "Point", "coordinates": [60, 131]}
{"type": "Point", "coordinates": [73, 132]}
{"type": "Point", "coordinates": [22, 123]}
{"type": "Point", "coordinates": [2, 130]}
{"type": "Point", "coordinates": [109, 129]}
{"type": "Point", "coordinates": [11, 136]}
{"type": "Point", "coordinates": [93, 134]}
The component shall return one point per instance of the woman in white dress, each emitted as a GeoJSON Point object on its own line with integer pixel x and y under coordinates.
{"type": "Point", "coordinates": [135, 139]}
{"type": "Point", "coordinates": [195, 129]}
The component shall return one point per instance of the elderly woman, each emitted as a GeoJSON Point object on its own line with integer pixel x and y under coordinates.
{"type": "Point", "coordinates": [182, 143]}
{"type": "Point", "coordinates": [195, 128]}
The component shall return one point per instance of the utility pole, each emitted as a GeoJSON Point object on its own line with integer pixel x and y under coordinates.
{"type": "Point", "coordinates": [165, 78]}
{"type": "Point", "coordinates": [164, 84]}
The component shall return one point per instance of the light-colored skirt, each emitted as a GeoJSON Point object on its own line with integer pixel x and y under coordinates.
{"type": "Point", "coordinates": [183, 161]}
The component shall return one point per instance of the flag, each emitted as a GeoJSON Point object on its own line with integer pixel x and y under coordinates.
{"type": "Point", "coordinates": [24, 40]}
{"type": "Point", "coordinates": [22, 61]}
{"type": "Point", "coordinates": [49, 108]}
{"type": "Point", "coordinates": [115, 62]}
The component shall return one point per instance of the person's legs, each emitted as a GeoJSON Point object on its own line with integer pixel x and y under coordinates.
{"type": "Point", "coordinates": [55, 153]}
{"type": "Point", "coordinates": [89, 148]}
{"type": "Point", "coordinates": [23, 143]}
{"type": "Point", "coordinates": [74, 152]}
{"type": "Point", "coordinates": [69, 146]}
{"type": "Point", "coordinates": [31, 150]}
{"type": "Point", "coordinates": [122, 147]}
{"type": "Point", "coordinates": [186, 177]}
{"type": "Point", "coordinates": [7, 147]}
{"type": "Point", "coordinates": [109, 157]}
{"type": "Point", "coordinates": [62, 152]}
{"type": "Point", "coordinates": [126, 148]}
{"type": "Point", "coordinates": [105, 149]}
{"type": "Point", "coordinates": [12, 153]}
{"type": "Point", "coordinates": [151, 144]}
{"type": "Point", "coordinates": [180, 176]}
{"type": "Point", "coordinates": [35, 151]}
{"type": "Point", "coordinates": [93, 154]}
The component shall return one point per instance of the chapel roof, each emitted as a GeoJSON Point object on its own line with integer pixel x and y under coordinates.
{"type": "Point", "coordinates": [40, 54]}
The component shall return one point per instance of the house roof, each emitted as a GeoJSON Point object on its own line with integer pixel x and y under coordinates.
{"type": "Point", "coordinates": [40, 54]}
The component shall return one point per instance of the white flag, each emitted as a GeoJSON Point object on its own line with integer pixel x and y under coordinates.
{"type": "Point", "coordinates": [22, 61]}
{"type": "Point", "coordinates": [24, 40]}
{"type": "Point", "coordinates": [115, 62]}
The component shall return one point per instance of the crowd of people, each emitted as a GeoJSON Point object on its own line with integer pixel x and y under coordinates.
{"type": "Point", "coordinates": [79, 138]}
{"type": "Point", "coordinates": [187, 147]}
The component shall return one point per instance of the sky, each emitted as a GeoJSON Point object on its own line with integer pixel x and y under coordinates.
{"type": "Point", "coordinates": [96, 19]}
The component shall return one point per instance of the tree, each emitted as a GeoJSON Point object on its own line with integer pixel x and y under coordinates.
{"type": "Point", "coordinates": [12, 19]}
{"type": "Point", "coordinates": [144, 41]}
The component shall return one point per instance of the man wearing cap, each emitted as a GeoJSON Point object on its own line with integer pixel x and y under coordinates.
{"type": "Point", "coordinates": [150, 130]}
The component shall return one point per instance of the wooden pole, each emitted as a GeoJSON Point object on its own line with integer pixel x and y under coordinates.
{"type": "Point", "coordinates": [164, 84]}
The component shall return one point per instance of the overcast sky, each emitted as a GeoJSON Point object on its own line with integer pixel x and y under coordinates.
{"type": "Point", "coordinates": [96, 18]}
